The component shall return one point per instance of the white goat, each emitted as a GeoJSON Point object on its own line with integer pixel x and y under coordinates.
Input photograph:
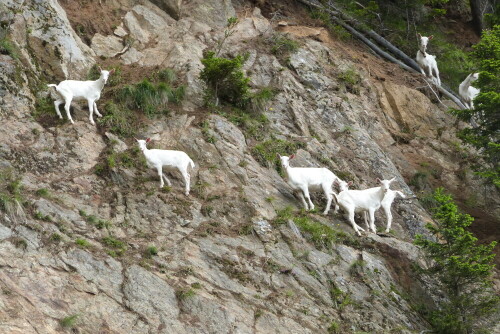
{"type": "Point", "coordinates": [170, 159]}
{"type": "Point", "coordinates": [386, 204]}
{"type": "Point", "coordinates": [302, 180]}
{"type": "Point", "coordinates": [370, 200]}
{"type": "Point", "coordinates": [467, 92]}
{"type": "Point", "coordinates": [427, 62]}
{"type": "Point", "coordinates": [69, 90]}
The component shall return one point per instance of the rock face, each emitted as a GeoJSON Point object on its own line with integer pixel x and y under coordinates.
{"type": "Point", "coordinates": [112, 253]}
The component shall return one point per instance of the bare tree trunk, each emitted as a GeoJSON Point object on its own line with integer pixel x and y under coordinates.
{"type": "Point", "coordinates": [478, 9]}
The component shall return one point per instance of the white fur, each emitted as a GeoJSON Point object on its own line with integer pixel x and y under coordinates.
{"type": "Point", "coordinates": [386, 204]}
{"type": "Point", "coordinates": [389, 197]}
{"type": "Point", "coordinates": [90, 91]}
{"type": "Point", "coordinates": [369, 200]}
{"type": "Point", "coordinates": [170, 159]}
{"type": "Point", "coordinates": [303, 180]}
{"type": "Point", "coordinates": [467, 92]}
{"type": "Point", "coordinates": [427, 62]}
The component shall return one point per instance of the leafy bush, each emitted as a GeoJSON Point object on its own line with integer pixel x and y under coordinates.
{"type": "Point", "coordinates": [266, 152]}
{"type": "Point", "coordinates": [146, 96]}
{"type": "Point", "coordinates": [225, 79]}
{"type": "Point", "coordinates": [82, 243]}
{"type": "Point", "coordinates": [282, 44]}
{"type": "Point", "coordinates": [69, 321]}
{"type": "Point", "coordinates": [462, 267]}
{"type": "Point", "coordinates": [119, 119]}
{"type": "Point", "coordinates": [151, 251]}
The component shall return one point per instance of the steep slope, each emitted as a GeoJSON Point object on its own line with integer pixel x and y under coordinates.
{"type": "Point", "coordinates": [127, 257]}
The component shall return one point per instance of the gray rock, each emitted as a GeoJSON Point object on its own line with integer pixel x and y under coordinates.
{"type": "Point", "coordinates": [106, 46]}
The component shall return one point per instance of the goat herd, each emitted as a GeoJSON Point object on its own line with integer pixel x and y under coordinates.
{"type": "Point", "coordinates": [301, 180]}
{"type": "Point", "coordinates": [429, 68]}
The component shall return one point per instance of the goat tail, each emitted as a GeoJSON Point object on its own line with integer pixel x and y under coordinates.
{"type": "Point", "coordinates": [52, 85]}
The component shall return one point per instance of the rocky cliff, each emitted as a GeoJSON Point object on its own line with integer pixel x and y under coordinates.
{"type": "Point", "coordinates": [97, 251]}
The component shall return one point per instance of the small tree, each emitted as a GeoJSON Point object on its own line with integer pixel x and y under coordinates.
{"type": "Point", "coordinates": [485, 135]}
{"type": "Point", "coordinates": [462, 267]}
{"type": "Point", "coordinates": [225, 79]}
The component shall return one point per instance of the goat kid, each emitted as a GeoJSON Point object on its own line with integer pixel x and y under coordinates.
{"type": "Point", "coordinates": [386, 204]}
{"type": "Point", "coordinates": [467, 92]}
{"type": "Point", "coordinates": [167, 158]}
{"type": "Point", "coordinates": [427, 62]}
{"type": "Point", "coordinates": [90, 91]}
{"type": "Point", "coordinates": [303, 180]}
{"type": "Point", "coordinates": [367, 200]}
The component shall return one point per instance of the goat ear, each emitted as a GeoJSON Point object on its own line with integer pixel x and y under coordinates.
{"type": "Point", "coordinates": [418, 35]}
{"type": "Point", "coordinates": [148, 140]}
{"type": "Point", "coordinates": [378, 180]}
{"type": "Point", "coordinates": [278, 156]}
{"type": "Point", "coordinates": [292, 156]}
{"type": "Point", "coordinates": [431, 37]}
{"type": "Point", "coordinates": [349, 183]}
{"type": "Point", "coordinates": [100, 69]}
{"type": "Point", "coordinates": [393, 179]}
{"type": "Point", "coordinates": [112, 71]}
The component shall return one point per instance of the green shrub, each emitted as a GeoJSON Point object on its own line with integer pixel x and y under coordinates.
{"type": "Point", "coordinates": [55, 237]}
{"type": "Point", "coordinates": [225, 80]}
{"type": "Point", "coordinates": [282, 44]}
{"type": "Point", "coordinates": [113, 243]}
{"type": "Point", "coordinates": [43, 192]}
{"type": "Point", "coordinates": [11, 198]}
{"type": "Point", "coordinates": [351, 80]}
{"type": "Point", "coordinates": [183, 294]}
{"type": "Point", "coordinates": [7, 48]}
{"type": "Point", "coordinates": [69, 321]}
{"type": "Point", "coordinates": [151, 251]}
{"type": "Point", "coordinates": [266, 152]}
{"type": "Point", "coordinates": [146, 96]}
{"type": "Point", "coordinates": [322, 236]}
{"type": "Point", "coordinates": [82, 243]}
{"type": "Point", "coordinates": [119, 119]}
{"type": "Point", "coordinates": [462, 267]}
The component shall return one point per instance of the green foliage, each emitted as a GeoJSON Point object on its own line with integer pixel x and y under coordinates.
{"type": "Point", "coordinates": [7, 48]}
{"type": "Point", "coordinates": [118, 247]}
{"type": "Point", "coordinates": [334, 328]}
{"type": "Point", "coordinates": [462, 267]}
{"type": "Point", "coordinates": [283, 45]}
{"type": "Point", "coordinates": [11, 198]}
{"type": "Point", "coordinates": [266, 152]}
{"type": "Point", "coordinates": [131, 158]}
{"type": "Point", "coordinates": [69, 321]}
{"type": "Point", "coordinates": [43, 192]}
{"type": "Point", "coordinates": [230, 25]}
{"type": "Point", "coordinates": [351, 80]}
{"type": "Point", "coordinates": [486, 113]}
{"type": "Point", "coordinates": [149, 97]}
{"type": "Point", "coordinates": [56, 237]}
{"type": "Point", "coordinates": [119, 119]}
{"type": "Point", "coordinates": [151, 251]}
{"type": "Point", "coordinates": [82, 243]}
{"type": "Point", "coordinates": [225, 80]}
{"type": "Point", "coordinates": [322, 236]}
{"type": "Point", "coordinates": [260, 100]}
{"type": "Point", "coordinates": [183, 294]}
{"type": "Point", "coordinates": [205, 131]}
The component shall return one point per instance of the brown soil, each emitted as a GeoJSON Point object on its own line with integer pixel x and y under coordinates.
{"type": "Point", "coordinates": [83, 18]}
